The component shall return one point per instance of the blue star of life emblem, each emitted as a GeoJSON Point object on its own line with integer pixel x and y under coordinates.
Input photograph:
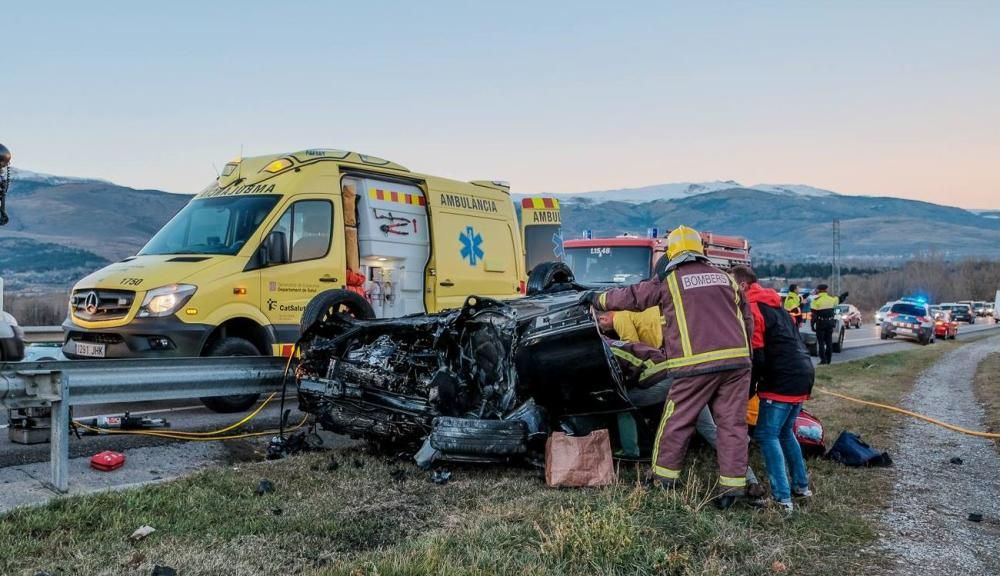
{"type": "Point", "coordinates": [472, 243]}
{"type": "Point", "coordinates": [557, 244]}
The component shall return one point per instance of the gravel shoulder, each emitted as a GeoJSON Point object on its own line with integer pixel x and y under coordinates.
{"type": "Point", "coordinates": [926, 527]}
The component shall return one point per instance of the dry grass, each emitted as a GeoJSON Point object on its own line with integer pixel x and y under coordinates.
{"type": "Point", "coordinates": [373, 514]}
{"type": "Point", "coordinates": [987, 386]}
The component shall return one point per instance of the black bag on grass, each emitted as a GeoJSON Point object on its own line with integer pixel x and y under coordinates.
{"type": "Point", "coordinates": [850, 450]}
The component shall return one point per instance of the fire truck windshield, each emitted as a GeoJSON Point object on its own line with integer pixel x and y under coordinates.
{"type": "Point", "coordinates": [610, 264]}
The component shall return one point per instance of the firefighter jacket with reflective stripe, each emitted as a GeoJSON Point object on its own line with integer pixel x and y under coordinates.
{"type": "Point", "coordinates": [707, 321]}
{"type": "Point", "coordinates": [645, 326]}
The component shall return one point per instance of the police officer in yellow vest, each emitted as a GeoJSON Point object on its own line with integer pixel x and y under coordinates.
{"type": "Point", "coordinates": [793, 304]}
{"type": "Point", "coordinates": [824, 321]}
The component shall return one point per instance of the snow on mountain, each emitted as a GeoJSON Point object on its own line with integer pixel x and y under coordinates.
{"type": "Point", "coordinates": [678, 190]}
{"type": "Point", "coordinates": [793, 189]}
{"type": "Point", "coordinates": [49, 179]}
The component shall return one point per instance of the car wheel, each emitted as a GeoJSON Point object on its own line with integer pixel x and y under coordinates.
{"type": "Point", "coordinates": [231, 346]}
{"type": "Point", "coordinates": [813, 349]}
{"type": "Point", "coordinates": [478, 437]}
{"type": "Point", "coordinates": [326, 305]}
{"type": "Point", "coordinates": [548, 276]}
{"type": "Point", "coordinates": [839, 344]}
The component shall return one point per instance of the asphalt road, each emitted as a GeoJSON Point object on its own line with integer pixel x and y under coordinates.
{"type": "Point", "coordinates": [190, 415]}
{"type": "Point", "coordinates": [865, 341]}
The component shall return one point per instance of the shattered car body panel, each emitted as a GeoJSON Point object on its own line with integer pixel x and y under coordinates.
{"type": "Point", "coordinates": [486, 381]}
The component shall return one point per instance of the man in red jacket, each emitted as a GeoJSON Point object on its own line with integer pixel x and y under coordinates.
{"type": "Point", "coordinates": [783, 374]}
{"type": "Point", "coordinates": [706, 342]}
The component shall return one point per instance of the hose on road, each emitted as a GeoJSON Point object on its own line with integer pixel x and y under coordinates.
{"type": "Point", "coordinates": [213, 435]}
{"type": "Point", "coordinates": [913, 414]}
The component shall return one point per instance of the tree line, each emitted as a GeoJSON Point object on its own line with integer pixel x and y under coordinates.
{"type": "Point", "coordinates": [931, 277]}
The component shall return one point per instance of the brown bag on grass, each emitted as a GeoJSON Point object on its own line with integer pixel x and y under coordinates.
{"type": "Point", "coordinates": [579, 460]}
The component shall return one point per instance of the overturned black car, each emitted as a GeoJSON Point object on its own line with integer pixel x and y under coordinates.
{"type": "Point", "coordinates": [486, 382]}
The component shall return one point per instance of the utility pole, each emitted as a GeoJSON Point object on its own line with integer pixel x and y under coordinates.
{"type": "Point", "coordinates": [836, 256]}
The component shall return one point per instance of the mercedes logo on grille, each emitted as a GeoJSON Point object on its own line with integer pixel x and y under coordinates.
{"type": "Point", "coordinates": [90, 303]}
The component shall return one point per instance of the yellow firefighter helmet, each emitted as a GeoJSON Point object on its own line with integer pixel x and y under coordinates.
{"type": "Point", "coordinates": [683, 239]}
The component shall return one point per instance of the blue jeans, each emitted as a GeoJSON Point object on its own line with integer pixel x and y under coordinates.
{"type": "Point", "coordinates": [776, 437]}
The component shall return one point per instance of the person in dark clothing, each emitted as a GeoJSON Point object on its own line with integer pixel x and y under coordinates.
{"type": "Point", "coordinates": [824, 322]}
{"type": "Point", "coordinates": [784, 376]}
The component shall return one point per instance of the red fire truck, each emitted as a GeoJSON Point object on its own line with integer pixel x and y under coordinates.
{"type": "Point", "coordinates": [627, 259]}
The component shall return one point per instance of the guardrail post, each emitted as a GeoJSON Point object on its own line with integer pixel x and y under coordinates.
{"type": "Point", "coordinates": [59, 456]}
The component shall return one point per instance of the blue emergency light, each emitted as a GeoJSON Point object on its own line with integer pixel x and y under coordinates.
{"type": "Point", "coordinates": [588, 234]}
{"type": "Point", "coordinates": [653, 232]}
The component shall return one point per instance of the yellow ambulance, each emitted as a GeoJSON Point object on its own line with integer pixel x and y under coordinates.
{"type": "Point", "coordinates": [278, 241]}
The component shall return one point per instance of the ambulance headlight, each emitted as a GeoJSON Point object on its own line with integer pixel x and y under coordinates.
{"type": "Point", "coordinates": [166, 300]}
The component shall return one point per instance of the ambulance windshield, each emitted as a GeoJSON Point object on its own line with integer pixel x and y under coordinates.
{"type": "Point", "coordinates": [609, 264]}
{"type": "Point", "coordinates": [220, 225]}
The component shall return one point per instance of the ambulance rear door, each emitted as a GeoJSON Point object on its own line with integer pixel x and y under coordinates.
{"type": "Point", "coordinates": [541, 231]}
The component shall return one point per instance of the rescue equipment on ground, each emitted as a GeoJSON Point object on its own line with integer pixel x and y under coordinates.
{"type": "Point", "coordinates": [212, 435]}
{"type": "Point", "coordinates": [125, 422]}
{"type": "Point", "coordinates": [107, 461]}
{"type": "Point", "coordinates": [809, 432]}
{"type": "Point", "coordinates": [940, 423]}
{"type": "Point", "coordinates": [851, 450]}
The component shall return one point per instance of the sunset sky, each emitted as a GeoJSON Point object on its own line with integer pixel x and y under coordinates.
{"type": "Point", "coordinates": [877, 98]}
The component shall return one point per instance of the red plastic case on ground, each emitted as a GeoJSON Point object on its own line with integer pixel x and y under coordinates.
{"type": "Point", "coordinates": [107, 461]}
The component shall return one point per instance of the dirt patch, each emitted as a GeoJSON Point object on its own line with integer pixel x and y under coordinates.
{"type": "Point", "coordinates": [988, 393]}
{"type": "Point", "coordinates": [927, 526]}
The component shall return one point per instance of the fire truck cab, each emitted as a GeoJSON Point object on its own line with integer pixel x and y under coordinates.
{"type": "Point", "coordinates": [628, 258]}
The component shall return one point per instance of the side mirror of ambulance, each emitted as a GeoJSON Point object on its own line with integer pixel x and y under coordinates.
{"type": "Point", "coordinates": [275, 249]}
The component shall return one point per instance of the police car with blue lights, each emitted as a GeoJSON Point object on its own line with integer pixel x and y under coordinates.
{"type": "Point", "coordinates": [909, 318]}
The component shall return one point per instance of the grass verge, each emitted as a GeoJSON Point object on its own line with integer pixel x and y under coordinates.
{"type": "Point", "coordinates": [987, 386]}
{"type": "Point", "coordinates": [350, 512]}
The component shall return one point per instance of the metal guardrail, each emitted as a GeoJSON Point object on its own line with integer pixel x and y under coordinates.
{"type": "Point", "coordinates": [43, 334]}
{"type": "Point", "coordinates": [59, 385]}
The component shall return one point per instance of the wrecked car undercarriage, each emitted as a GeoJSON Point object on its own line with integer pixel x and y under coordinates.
{"type": "Point", "coordinates": [486, 382]}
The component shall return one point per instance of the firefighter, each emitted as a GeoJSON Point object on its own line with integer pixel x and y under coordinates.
{"type": "Point", "coordinates": [793, 304]}
{"type": "Point", "coordinates": [706, 330]}
{"type": "Point", "coordinates": [636, 330]}
{"type": "Point", "coordinates": [824, 321]}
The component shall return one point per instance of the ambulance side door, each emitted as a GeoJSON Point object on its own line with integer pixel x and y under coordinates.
{"type": "Point", "coordinates": [474, 254]}
{"type": "Point", "coordinates": [314, 261]}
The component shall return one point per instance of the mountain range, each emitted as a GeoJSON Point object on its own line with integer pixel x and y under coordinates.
{"type": "Point", "coordinates": [62, 227]}
{"type": "Point", "coordinates": [678, 190]}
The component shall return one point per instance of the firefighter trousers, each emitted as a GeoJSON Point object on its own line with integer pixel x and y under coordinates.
{"type": "Point", "coordinates": [725, 393]}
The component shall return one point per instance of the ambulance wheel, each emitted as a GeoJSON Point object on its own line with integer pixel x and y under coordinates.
{"type": "Point", "coordinates": [231, 346]}
{"type": "Point", "coordinates": [326, 305]}
{"type": "Point", "coordinates": [549, 275]}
